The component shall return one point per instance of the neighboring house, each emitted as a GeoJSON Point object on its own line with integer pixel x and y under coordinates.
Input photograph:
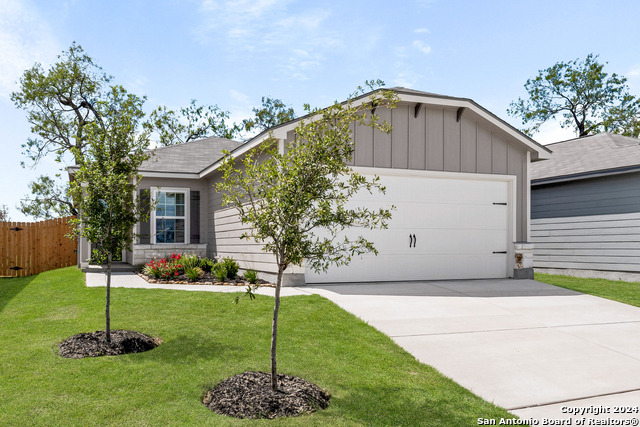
{"type": "Point", "coordinates": [585, 207]}
{"type": "Point", "coordinates": [457, 174]}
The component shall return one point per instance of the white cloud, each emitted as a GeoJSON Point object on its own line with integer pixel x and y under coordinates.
{"type": "Point", "coordinates": [294, 41]}
{"type": "Point", "coordinates": [421, 31]}
{"type": "Point", "coordinates": [422, 47]}
{"type": "Point", "coordinates": [25, 39]}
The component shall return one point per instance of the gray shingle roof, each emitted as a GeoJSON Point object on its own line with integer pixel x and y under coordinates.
{"type": "Point", "coordinates": [191, 157]}
{"type": "Point", "coordinates": [600, 152]}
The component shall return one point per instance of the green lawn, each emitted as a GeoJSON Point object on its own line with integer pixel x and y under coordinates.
{"type": "Point", "coordinates": [626, 292]}
{"type": "Point", "coordinates": [206, 338]}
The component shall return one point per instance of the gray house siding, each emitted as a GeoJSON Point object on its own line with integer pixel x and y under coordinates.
{"type": "Point", "coordinates": [615, 194]}
{"type": "Point", "coordinates": [435, 140]}
{"type": "Point", "coordinates": [589, 224]}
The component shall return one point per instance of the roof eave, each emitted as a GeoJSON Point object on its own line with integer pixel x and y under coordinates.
{"type": "Point", "coordinates": [585, 175]}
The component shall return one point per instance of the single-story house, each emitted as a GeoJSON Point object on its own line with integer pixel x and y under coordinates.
{"type": "Point", "coordinates": [458, 175]}
{"type": "Point", "coordinates": [585, 207]}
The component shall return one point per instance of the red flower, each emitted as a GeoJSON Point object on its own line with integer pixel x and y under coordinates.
{"type": "Point", "coordinates": [176, 273]}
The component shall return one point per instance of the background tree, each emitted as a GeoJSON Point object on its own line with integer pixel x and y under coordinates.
{"type": "Point", "coordinates": [50, 199]}
{"type": "Point", "coordinates": [285, 197]}
{"type": "Point", "coordinates": [4, 213]}
{"type": "Point", "coordinates": [191, 123]}
{"type": "Point", "coordinates": [587, 99]}
{"type": "Point", "coordinates": [59, 104]}
{"type": "Point", "coordinates": [272, 113]}
{"type": "Point", "coordinates": [105, 183]}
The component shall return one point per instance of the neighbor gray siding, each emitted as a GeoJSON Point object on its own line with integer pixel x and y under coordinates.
{"type": "Point", "coordinates": [594, 242]}
{"type": "Point", "coordinates": [616, 194]}
{"type": "Point", "coordinates": [435, 140]}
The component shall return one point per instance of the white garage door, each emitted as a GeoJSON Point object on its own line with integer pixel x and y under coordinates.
{"type": "Point", "coordinates": [442, 228]}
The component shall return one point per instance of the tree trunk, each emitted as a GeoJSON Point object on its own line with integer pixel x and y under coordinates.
{"type": "Point", "coordinates": [106, 311]}
{"type": "Point", "coordinates": [274, 331]}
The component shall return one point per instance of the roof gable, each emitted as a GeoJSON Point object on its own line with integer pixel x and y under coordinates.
{"type": "Point", "coordinates": [538, 151]}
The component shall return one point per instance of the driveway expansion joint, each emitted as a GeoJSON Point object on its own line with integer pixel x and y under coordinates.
{"type": "Point", "coordinates": [577, 399]}
{"type": "Point", "coordinates": [515, 329]}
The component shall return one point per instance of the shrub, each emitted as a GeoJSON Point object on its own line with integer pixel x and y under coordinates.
{"type": "Point", "coordinates": [161, 269]}
{"type": "Point", "coordinates": [231, 266]}
{"type": "Point", "coordinates": [251, 276]}
{"type": "Point", "coordinates": [190, 260]}
{"type": "Point", "coordinates": [220, 271]}
{"type": "Point", "coordinates": [206, 264]}
{"type": "Point", "coordinates": [155, 268]}
{"type": "Point", "coordinates": [194, 273]}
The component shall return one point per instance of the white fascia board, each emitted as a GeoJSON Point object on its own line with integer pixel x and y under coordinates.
{"type": "Point", "coordinates": [448, 102]}
{"type": "Point", "coordinates": [279, 134]}
{"type": "Point", "coordinates": [149, 174]}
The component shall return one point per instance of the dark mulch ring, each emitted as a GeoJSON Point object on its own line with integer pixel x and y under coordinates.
{"type": "Point", "coordinates": [249, 395]}
{"type": "Point", "coordinates": [93, 344]}
{"type": "Point", "coordinates": [207, 279]}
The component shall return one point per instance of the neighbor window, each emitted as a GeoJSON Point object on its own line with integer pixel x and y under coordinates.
{"type": "Point", "coordinates": [170, 216]}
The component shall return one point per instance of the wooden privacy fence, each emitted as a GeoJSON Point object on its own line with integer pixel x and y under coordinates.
{"type": "Point", "coordinates": [28, 248]}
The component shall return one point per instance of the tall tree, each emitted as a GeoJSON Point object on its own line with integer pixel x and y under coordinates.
{"type": "Point", "coordinates": [4, 213]}
{"type": "Point", "coordinates": [59, 105]}
{"type": "Point", "coordinates": [191, 123]}
{"type": "Point", "coordinates": [272, 113]}
{"type": "Point", "coordinates": [585, 97]}
{"type": "Point", "coordinates": [106, 181]}
{"type": "Point", "coordinates": [285, 197]}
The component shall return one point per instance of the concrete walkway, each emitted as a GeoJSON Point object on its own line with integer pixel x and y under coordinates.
{"type": "Point", "coordinates": [524, 345]}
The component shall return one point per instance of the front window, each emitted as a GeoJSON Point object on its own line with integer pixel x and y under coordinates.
{"type": "Point", "coordinates": [170, 216]}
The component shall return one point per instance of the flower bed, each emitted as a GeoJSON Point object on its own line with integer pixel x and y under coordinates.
{"type": "Point", "coordinates": [185, 269]}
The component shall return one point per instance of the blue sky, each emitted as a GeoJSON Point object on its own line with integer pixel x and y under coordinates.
{"type": "Point", "coordinates": [231, 53]}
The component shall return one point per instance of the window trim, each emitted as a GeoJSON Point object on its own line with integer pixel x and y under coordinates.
{"type": "Point", "coordinates": [186, 217]}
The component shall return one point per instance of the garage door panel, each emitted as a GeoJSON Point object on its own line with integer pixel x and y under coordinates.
{"type": "Point", "coordinates": [432, 215]}
{"type": "Point", "coordinates": [459, 225]}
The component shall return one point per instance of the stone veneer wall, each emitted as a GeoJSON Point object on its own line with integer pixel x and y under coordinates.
{"type": "Point", "coordinates": [145, 253]}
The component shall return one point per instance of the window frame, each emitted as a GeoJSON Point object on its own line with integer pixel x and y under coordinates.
{"type": "Point", "coordinates": [187, 214]}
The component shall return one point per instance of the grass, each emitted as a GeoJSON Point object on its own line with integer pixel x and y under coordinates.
{"type": "Point", "coordinates": [206, 338]}
{"type": "Point", "coordinates": [626, 292]}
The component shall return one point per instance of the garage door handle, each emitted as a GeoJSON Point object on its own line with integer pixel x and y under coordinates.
{"type": "Point", "coordinates": [499, 252]}
{"type": "Point", "coordinates": [496, 203]}
{"type": "Point", "coordinates": [412, 240]}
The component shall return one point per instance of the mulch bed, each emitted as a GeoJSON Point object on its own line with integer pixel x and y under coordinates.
{"type": "Point", "coordinates": [207, 279]}
{"type": "Point", "coordinates": [249, 395]}
{"type": "Point", "coordinates": [93, 344]}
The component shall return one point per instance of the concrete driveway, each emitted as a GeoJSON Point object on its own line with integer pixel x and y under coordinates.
{"type": "Point", "coordinates": [527, 346]}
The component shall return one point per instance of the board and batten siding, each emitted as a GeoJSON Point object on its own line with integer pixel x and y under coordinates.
{"type": "Point", "coordinates": [588, 224]}
{"type": "Point", "coordinates": [435, 140]}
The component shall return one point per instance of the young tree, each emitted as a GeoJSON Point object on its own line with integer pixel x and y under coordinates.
{"type": "Point", "coordinates": [105, 183]}
{"type": "Point", "coordinates": [272, 113]}
{"type": "Point", "coordinates": [284, 197]}
{"type": "Point", "coordinates": [192, 122]}
{"type": "Point", "coordinates": [583, 95]}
